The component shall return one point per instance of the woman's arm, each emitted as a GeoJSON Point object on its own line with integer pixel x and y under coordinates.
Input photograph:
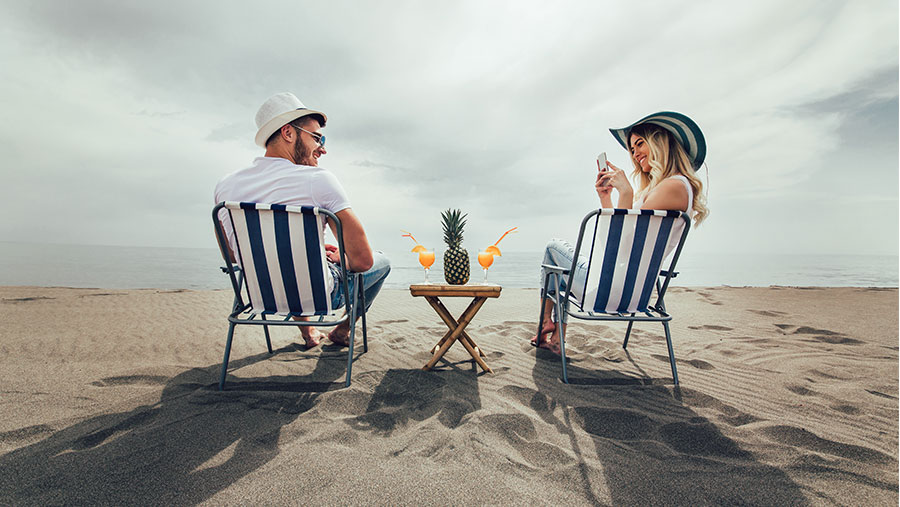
{"type": "Point", "coordinates": [670, 194]}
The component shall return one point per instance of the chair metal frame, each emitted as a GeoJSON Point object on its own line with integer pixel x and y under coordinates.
{"type": "Point", "coordinates": [353, 302]}
{"type": "Point", "coordinates": [563, 300]}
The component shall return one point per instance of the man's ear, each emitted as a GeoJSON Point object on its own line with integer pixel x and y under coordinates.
{"type": "Point", "coordinates": [288, 132]}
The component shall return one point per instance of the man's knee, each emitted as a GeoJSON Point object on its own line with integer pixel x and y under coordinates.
{"type": "Point", "coordinates": [381, 264]}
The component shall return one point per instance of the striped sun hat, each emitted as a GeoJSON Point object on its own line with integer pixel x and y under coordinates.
{"type": "Point", "coordinates": [686, 132]}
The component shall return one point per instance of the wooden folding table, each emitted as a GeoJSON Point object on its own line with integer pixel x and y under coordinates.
{"type": "Point", "coordinates": [457, 328]}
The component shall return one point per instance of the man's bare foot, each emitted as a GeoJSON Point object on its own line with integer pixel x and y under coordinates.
{"type": "Point", "coordinates": [548, 327]}
{"type": "Point", "coordinates": [312, 336]}
{"type": "Point", "coordinates": [340, 335]}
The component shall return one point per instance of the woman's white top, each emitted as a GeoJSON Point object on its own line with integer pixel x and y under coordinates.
{"type": "Point", "coordinates": [640, 202]}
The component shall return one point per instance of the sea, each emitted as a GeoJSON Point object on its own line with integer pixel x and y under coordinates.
{"type": "Point", "coordinates": [118, 267]}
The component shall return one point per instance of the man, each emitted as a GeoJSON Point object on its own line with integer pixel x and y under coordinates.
{"type": "Point", "coordinates": [289, 174]}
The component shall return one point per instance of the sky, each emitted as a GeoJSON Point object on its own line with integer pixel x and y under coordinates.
{"type": "Point", "coordinates": [120, 117]}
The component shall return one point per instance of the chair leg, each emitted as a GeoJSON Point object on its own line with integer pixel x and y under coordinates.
{"type": "Point", "coordinates": [362, 303]}
{"type": "Point", "coordinates": [227, 353]}
{"type": "Point", "coordinates": [671, 353]}
{"type": "Point", "coordinates": [562, 332]}
{"type": "Point", "coordinates": [352, 302]}
{"type": "Point", "coordinates": [266, 330]}
{"type": "Point", "coordinates": [628, 333]}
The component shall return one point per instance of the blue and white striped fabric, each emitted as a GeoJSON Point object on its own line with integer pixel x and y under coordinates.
{"type": "Point", "coordinates": [283, 258]}
{"type": "Point", "coordinates": [626, 256]}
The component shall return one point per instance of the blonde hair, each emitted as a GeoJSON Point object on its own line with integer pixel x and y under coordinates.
{"type": "Point", "coordinates": [667, 158]}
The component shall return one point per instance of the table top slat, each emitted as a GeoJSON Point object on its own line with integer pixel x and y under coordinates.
{"type": "Point", "coordinates": [445, 290]}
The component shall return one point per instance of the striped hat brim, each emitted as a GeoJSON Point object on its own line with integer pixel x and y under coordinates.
{"type": "Point", "coordinates": [686, 132]}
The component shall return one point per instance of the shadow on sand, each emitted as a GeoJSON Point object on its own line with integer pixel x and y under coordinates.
{"type": "Point", "coordinates": [649, 446]}
{"type": "Point", "coordinates": [183, 449]}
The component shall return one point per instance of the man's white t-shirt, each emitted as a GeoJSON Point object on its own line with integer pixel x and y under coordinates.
{"type": "Point", "coordinates": [274, 180]}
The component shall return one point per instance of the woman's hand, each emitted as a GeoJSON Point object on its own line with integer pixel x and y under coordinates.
{"type": "Point", "coordinates": [602, 186]}
{"type": "Point", "coordinates": [614, 178]}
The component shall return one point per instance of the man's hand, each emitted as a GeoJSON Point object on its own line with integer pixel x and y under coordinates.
{"type": "Point", "coordinates": [331, 252]}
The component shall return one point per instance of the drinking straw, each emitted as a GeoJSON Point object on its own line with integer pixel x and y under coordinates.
{"type": "Point", "coordinates": [504, 235]}
{"type": "Point", "coordinates": [409, 235]}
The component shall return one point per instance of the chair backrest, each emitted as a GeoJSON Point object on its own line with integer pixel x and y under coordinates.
{"type": "Point", "coordinates": [625, 249]}
{"type": "Point", "coordinates": [281, 253]}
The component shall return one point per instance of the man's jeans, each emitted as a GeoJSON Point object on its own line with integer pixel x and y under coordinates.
{"type": "Point", "coordinates": [372, 280]}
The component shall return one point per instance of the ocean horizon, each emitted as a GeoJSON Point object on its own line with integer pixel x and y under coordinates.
{"type": "Point", "coordinates": [119, 267]}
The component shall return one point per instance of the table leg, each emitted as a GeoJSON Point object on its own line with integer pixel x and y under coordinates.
{"type": "Point", "coordinates": [456, 331]}
{"type": "Point", "coordinates": [451, 323]}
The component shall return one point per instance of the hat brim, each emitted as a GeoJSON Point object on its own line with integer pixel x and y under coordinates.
{"type": "Point", "coordinates": [264, 132]}
{"type": "Point", "coordinates": [685, 131]}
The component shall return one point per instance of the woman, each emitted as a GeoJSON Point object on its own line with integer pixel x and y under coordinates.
{"type": "Point", "coordinates": [666, 149]}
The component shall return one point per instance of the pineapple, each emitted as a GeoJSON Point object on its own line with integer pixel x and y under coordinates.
{"type": "Point", "coordinates": [456, 259]}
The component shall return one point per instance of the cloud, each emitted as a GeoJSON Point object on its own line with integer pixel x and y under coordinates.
{"type": "Point", "coordinates": [498, 108]}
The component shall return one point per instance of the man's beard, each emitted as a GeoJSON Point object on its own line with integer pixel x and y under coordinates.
{"type": "Point", "coordinates": [303, 156]}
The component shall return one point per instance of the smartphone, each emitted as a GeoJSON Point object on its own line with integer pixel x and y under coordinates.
{"type": "Point", "coordinates": [601, 162]}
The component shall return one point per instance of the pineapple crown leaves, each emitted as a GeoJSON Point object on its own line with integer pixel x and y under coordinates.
{"type": "Point", "coordinates": [453, 221]}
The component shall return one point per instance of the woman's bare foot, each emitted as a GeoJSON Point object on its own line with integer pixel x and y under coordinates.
{"type": "Point", "coordinates": [548, 327]}
{"type": "Point", "coordinates": [552, 343]}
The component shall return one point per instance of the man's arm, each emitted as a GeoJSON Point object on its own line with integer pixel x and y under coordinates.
{"type": "Point", "coordinates": [358, 251]}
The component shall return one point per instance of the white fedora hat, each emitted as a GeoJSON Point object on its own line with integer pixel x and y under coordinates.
{"type": "Point", "coordinates": [279, 110]}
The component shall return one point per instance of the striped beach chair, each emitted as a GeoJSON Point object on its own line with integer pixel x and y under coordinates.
{"type": "Point", "coordinates": [625, 249]}
{"type": "Point", "coordinates": [282, 270]}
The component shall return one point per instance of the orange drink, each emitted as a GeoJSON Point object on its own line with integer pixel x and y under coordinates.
{"type": "Point", "coordinates": [426, 259]}
{"type": "Point", "coordinates": [485, 259]}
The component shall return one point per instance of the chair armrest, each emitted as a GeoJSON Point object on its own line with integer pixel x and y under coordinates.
{"type": "Point", "coordinates": [235, 267]}
{"type": "Point", "coordinates": [664, 272]}
{"type": "Point", "coordinates": [551, 267]}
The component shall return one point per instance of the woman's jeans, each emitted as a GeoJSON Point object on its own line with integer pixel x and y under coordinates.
{"type": "Point", "coordinates": [560, 253]}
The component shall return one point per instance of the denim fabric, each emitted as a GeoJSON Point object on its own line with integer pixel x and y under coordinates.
{"type": "Point", "coordinates": [372, 280]}
{"type": "Point", "coordinates": [559, 252]}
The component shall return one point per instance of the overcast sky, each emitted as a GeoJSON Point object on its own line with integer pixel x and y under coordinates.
{"type": "Point", "coordinates": [120, 117]}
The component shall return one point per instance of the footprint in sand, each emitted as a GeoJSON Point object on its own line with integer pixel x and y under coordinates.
{"type": "Point", "coordinates": [802, 391]}
{"type": "Point", "coordinates": [838, 340]}
{"type": "Point", "coordinates": [25, 434]}
{"type": "Point", "coordinates": [799, 437]}
{"type": "Point", "coordinates": [823, 335]}
{"type": "Point", "coordinates": [768, 313]}
{"type": "Point", "coordinates": [846, 408]}
{"type": "Point", "coordinates": [712, 327]}
{"type": "Point", "coordinates": [132, 380]}
{"type": "Point", "coordinates": [709, 298]}
{"type": "Point", "coordinates": [25, 300]}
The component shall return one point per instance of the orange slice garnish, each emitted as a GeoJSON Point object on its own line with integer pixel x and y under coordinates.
{"type": "Point", "coordinates": [418, 248]}
{"type": "Point", "coordinates": [493, 250]}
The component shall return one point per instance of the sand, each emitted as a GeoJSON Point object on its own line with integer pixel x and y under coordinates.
{"type": "Point", "coordinates": [787, 396]}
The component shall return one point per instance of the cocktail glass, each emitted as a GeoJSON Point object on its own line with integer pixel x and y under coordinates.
{"type": "Point", "coordinates": [426, 259]}
{"type": "Point", "coordinates": [485, 259]}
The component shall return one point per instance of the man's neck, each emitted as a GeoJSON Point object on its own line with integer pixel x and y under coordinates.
{"type": "Point", "coordinates": [279, 150]}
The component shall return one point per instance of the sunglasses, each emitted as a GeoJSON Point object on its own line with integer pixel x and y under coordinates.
{"type": "Point", "coordinates": [320, 138]}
